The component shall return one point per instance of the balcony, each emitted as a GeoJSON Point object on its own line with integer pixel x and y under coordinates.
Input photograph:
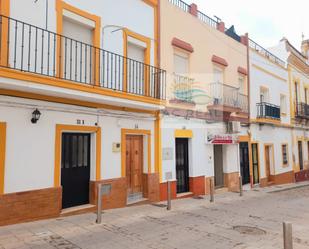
{"type": "Point", "coordinates": [302, 110]}
{"type": "Point", "coordinates": [268, 111]}
{"type": "Point", "coordinates": [182, 90]}
{"type": "Point", "coordinates": [226, 98]}
{"type": "Point", "coordinates": [31, 49]}
{"type": "Point", "coordinates": [243, 100]}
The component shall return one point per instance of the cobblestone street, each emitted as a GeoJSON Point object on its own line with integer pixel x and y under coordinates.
{"type": "Point", "coordinates": [252, 221]}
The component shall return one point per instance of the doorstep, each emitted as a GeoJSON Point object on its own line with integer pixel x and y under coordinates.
{"type": "Point", "coordinates": [184, 195]}
{"type": "Point", "coordinates": [221, 190]}
{"type": "Point", "coordinates": [78, 210]}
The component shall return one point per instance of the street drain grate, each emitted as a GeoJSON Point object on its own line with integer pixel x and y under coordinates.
{"type": "Point", "coordinates": [198, 197]}
{"type": "Point", "coordinates": [249, 230]}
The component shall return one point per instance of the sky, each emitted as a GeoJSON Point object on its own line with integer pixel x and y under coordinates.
{"type": "Point", "coordinates": [266, 21]}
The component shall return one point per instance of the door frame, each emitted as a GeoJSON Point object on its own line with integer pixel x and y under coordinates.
{"type": "Point", "coordinates": [223, 174]}
{"type": "Point", "coordinates": [258, 161]}
{"type": "Point", "coordinates": [144, 133]}
{"type": "Point", "coordinates": [271, 157]}
{"type": "Point", "coordinates": [247, 139]}
{"type": "Point", "coordinates": [302, 149]}
{"type": "Point", "coordinates": [188, 164]}
{"type": "Point", "coordinates": [60, 128]}
{"type": "Point", "coordinates": [2, 155]}
{"type": "Point", "coordinates": [248, 146]}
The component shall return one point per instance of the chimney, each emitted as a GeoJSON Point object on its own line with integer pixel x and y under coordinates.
{"type": "Point", "coordinates": [244, 39]}
{"type": "Point", "coordinates": [305, 48]}
{"type": "Point", "coordinates": [193, 9]}
{"type": "Point", "coordinates": [221, 26]}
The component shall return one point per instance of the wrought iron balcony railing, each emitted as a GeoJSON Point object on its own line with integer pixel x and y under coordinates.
{"type": "Point", "coordinates": [224, 95]}
{"type": "Point", "coordinates": [258, 48]}
{"type": "Point", "coordinates": [243, 101]}
{"type": "Point", "coordinates": [28, 48]}
{"type": "Point", "coordinates": [268, 111]}
{"type": "Point", "coordinates": [200, 15]}
{"type": "Point", "coordinates": [182, 88]}
{"type": "Point", "coordinates": [302, 110]}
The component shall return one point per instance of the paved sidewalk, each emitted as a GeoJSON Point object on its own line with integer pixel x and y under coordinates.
{"type": "Point", "coordinates": [252, 221]}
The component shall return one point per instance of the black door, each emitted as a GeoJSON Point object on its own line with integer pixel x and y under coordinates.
{"type": "Point", "coordinates": [244, 162]}
{"type": "Point", "coordinates": [300, 155]}
{"type": "Point", "coordinates": [75, 169]}
{"type": "Point", "coordinates": [255, 164]}
{"type": "Point", "coordinates": [218, 164]}
{"type": "Point", "coordinates": [182, 166]}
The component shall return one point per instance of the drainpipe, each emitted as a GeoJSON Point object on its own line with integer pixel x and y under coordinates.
{"type": "Point", "coordinates": [248, 74]}
{"type": "Point", "coordinates": [249, 108]}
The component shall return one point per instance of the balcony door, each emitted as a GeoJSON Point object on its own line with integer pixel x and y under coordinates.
{"type": "Point", "coordinates": [217, 88]}
{"type": "Point", "coordinates": [77, 60]}
{"type": "Point", "coordinates": [136, 70]}
{"type": "Point", "coordinates": [264, 95]}
{"type": "Point", "coordinates": [182, 83]}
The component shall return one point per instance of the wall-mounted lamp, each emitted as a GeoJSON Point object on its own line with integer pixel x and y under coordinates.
{"type": "Point", "coordinates": [36, 114]}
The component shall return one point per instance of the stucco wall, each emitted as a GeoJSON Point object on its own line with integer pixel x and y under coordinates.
{"type": "Point", "coordinates": [264, 73]}
{"type": "Point", "coordinates": [135, 15]}
{"type": "Point", "coordinates": [206, 42]}
{"type": "Point", "coordinates": [30, 148]}
{"type": "Point", "coordinates": [276, 136]}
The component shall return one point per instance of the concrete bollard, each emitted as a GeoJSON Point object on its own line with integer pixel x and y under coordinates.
{"type": "Point", "coordinates": [240, 186]}
{"type": "Point", "coordinates": [99, 204]}
{"type": "Point", "coordinates": [287, 235]}
{"type": "Point", "coordinates": [169, 202]}
{"type": "Point", "coordinates": [212, 197]}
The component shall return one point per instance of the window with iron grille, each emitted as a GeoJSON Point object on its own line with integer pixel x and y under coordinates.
{"type": "Point", "coordinates": [285, 154]}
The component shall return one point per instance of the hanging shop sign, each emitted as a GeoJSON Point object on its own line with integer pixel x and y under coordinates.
{"type": "Point", "coordinates": [221, 139]}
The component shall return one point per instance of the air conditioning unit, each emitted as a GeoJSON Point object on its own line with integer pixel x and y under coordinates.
{"type": "Point", "coordinates": [233, 127]}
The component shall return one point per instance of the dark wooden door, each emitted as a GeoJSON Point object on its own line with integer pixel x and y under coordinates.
{"type": "Point", "coordinates": [218, 164]}
{"type": "Point", "coordinates": [182, 165]}
{"type": "Point", "coordinates": [267, 161]}
{"type": "Point", "coordinates": [300, 155]}
{"type": "Point", "coordinates": [75, 169]}
{"type": "Point", "coordinates": [134, 163]}
{"type": "Point", "coordinates": [255, 164]}
{"type": "Point", "coordinates": [244, 162]}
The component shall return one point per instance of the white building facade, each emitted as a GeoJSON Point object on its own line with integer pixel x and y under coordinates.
{"type": "Point", "coordinates": [206, 115]}
{"type": "Point", "coordinates": [270, 129]}
{"type": "Point", "coordinates": [80, 96]}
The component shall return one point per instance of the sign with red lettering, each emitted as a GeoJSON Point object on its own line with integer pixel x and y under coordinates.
{"type": "Point", "coordinates": [221, 139]}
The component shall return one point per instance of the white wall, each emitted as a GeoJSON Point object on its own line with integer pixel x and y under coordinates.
{"type": "Point", "coordinates": [201, 155]}
{"type": "Point", "coordinates": [135, 15]}
{"type": "Point", "coordinates": [30, 147]}
{"type": "Point", "coordinates": [230, 156]}
{"type": "Point", "coordinates": [275, 85]}
{"type": "Point", "coordinates": [276, 136]}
